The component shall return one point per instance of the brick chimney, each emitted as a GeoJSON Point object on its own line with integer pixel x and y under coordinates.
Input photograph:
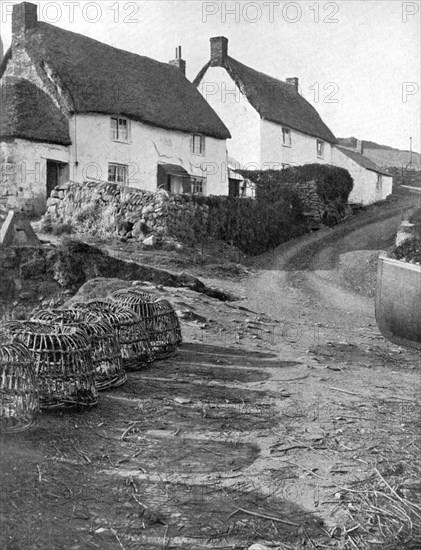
{"type": "Point", "coordinates": [24, 18]}
{"type": "Point", "coordinates": [218, 50]}
{"type": "Point", "coordinates": [178, 61]}
{"type": "Point", "coordinates": [360, 146]}
{"type": "Point", "coordinates": [293, 81]}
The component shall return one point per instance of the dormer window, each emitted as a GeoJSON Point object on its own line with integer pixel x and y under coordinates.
{"type": "Point", "coordinates": [120, 129]}
{"type": "Point", "coordinates": [198, 144]}
{"type": "Point", "coordinates": [286, 137]}
{"type": "Point", "coordinates": [320, 149]}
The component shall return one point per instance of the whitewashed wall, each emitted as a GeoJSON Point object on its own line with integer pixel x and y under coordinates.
{"type": "Point", "coordinates": [303, 148]}
{"type": "Point", "coordinates": [233, 108]}
{"type": "Point", "coordinates": [365, 181]}
{"type": "Point", "coordinates": [23, 171]}
{"type": "Point", "coordinates": [92, 149]}
{"type": "Point", "coordinates": [254, 141]}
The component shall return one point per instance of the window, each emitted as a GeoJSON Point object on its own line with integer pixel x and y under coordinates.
{"type": "Point", "coordinates": [120, 129]}
{"type": "Point", "coordinates": [320, 149]}
{"type": "Point", "coordinates": [379, 183]}
{"type": "Point", "coordinates": [198, 144]}
{"type": "Point", "coordinates": [197, 185]}
{"type": "Point", "coordinates": [286, 137]}
{"type": "Point", "coordinates": [118, 173]}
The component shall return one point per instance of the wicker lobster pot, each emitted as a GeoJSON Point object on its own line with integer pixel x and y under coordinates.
{"type": "Point", "coordinates": [19, 402]}
{"type": "Point", "coordinates": [135, 346]}
{"type": "Point", "coordinates": [160, 319]}
{"type": "Point", "coordinates": [63, 363]}
{"type": "Point", "coordinates": [106, 353]}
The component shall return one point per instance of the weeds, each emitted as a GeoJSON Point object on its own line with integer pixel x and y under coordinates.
{"type": "Point", "coordinates": [62, 229]}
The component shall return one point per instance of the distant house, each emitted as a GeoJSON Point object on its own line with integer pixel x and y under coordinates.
{"type": "Point", "coordinates": [271, 124]}
{"type": "Point", "coordinates": [371, 183]}
{"type": "Point", "coordinates": [383, 155]}
{"type": "Point", "coordinates": [73, 108]}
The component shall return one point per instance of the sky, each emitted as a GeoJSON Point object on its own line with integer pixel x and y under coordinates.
{"type": "Point", "coordinates": [358, 61]}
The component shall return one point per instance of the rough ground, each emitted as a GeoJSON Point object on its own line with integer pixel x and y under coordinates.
{"type": "Point", "coordinates": [284, 419]}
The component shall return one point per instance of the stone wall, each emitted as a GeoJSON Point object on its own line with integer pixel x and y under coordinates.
{"type": "Point", "coordinates": [105, 207]}
{"type": "Point", "coordinates": [23, 278]}
{"type": "Point", "coordinates": [314, 206]}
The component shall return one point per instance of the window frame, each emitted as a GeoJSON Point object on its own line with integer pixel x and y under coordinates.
{"type": "Point", "coordinates": [194, 180]}
{"type": "Point", "coordinates": [379, 183]}
{"type": "Point", "coordinates": [118, 165]}
{"type": "Point", "coordinates": [320, 155]}
{"type": "Point", "coordinates": [286, 132]}
{"type": "Point", "coordinates": [115, 133]}
{"type": "Point", "coordinates": [202, 147]}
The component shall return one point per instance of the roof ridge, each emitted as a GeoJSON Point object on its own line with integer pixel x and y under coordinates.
{"type": "Point", "coordinates": [274, 78]}
{"type": "Point", "coordinates": [275, 100]}
{"type": "Point", "coordinates": [362, 160]}
{"type": "Point", "coordinates": [42, 24]}
{"type": "Point", "coordinates": [100, 78]}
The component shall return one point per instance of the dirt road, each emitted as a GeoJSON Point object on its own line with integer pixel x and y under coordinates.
{"type": "Point", "coordinates": [285, 419]}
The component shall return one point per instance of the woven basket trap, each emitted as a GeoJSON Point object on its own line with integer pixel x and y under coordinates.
{"type": "Point", "coordinates": [63, 363]}
{"type": "Point", "coordinates": [106, 353]}
{"type": "Point", "coordinates": [131, 334]}
{"type": "Point", "coordinates": [19, 403]}
{"type": "Point", "coordinates": [160, 320]}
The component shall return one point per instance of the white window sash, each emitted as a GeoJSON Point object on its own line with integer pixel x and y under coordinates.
{"type": "Point", "coordinates": [114, 128]}
{"type": "Point", "coordinates": [120, 129]}
{"type": "Point", "coordinates": [197, 144]}
{"type": "Point", "coordinates": [320, 149]}
{"type": "Point", "coordinates": [117, 173]}
{"type": "Point", "coordinates": [286, 137]}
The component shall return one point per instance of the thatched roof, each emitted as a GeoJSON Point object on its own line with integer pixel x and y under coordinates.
{"type": "Point", "coordinates": [27, 112]}
{"type": "Point", "coordinates": [363, 161]}
{"type": "Point", "coordinates": [275, 100]}
{"type": "Point", "coordinates": [97, 78]}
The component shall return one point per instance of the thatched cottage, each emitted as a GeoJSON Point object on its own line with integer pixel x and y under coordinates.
{"type": "Point", "coordinates": [271, 124]}
{"type": "Point", "coordinates": [73, 108]}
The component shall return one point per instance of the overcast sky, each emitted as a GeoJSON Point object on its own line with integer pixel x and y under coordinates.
{"type": "Point", "coordinates": [358, 61]}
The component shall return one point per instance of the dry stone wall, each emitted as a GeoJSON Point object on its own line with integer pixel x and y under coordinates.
{"type": "Point", "coordinates": [313, 205]}
{"type": "Point", "coordinates": [106, 208]}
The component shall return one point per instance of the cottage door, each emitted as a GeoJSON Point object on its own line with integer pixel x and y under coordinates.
{"type": "Point", "coordinates": [57, 174]}
{"type": "Point", "coordinates": [52, 176]}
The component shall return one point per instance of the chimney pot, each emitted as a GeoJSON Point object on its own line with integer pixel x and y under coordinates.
{"type": "Point", "coordinates": [178, 61]}
{"type": "Point", "coordinates": [294, 82]}
{"type": "Point", "coordinates": [24, 18]}
{"type": "Point", "coordinates": [219, 51]}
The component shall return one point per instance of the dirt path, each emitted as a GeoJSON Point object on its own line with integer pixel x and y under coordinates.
{"type": "Point", "coordinates": [281, 420]}
{"type": "Point", "coordinates": [305, 280]}
{"type": "Point", "coordinates": [352, 367]}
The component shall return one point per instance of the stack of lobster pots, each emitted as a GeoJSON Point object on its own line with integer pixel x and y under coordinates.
{"type": "Point", "coordinates": [62, 358]}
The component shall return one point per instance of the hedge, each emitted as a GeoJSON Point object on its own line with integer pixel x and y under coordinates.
{"type": "Point", "coordinates": [254, 226]}
{"type": "Point", "coordinates": [275, 216]}
{"type": "Point", "coordinates": [333, 184]}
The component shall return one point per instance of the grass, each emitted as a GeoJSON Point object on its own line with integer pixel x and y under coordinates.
{"type": "Point", "coordinates": [410, 249]}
